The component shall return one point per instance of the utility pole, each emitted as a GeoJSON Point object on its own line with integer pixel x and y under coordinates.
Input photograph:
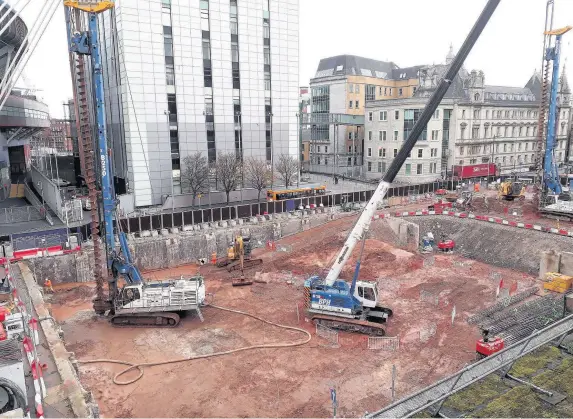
{"type": "Point", "coordinates": [167, 113]}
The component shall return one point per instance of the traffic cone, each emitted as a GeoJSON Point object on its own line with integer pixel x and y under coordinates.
{"type": "Point", "coordinates": [214, 258]}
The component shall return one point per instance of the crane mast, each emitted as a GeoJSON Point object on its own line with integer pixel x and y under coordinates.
{"type": "Point", "coordinates": [550, 172]}
{"type": "Point", "coordinates": [365, 218]}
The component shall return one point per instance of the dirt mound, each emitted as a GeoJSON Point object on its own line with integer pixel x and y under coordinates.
{"type": "Point", "coordinates": [380, 256]}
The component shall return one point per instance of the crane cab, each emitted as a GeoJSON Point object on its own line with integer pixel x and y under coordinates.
{"type": "Point", "coordinates": [367, 293]}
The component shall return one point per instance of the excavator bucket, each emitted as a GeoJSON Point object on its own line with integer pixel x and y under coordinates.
{"type": "Point", "coordinates": [241, 281]}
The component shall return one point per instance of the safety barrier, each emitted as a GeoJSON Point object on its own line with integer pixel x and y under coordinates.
{"type": "Point", "coordinates": [384, 343]}
{"type": "Point", "coordinates": [30, 342]}
{"type": "Point", "coordinates": [39, 252]}
{"type": "Point", "coordinates": [471, 216]}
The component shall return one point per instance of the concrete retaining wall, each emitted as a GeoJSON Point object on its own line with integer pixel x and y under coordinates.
{"type": "Point", "coordinates": [178, 249]}
{"type": "Point", "coordinates": [495, 244]}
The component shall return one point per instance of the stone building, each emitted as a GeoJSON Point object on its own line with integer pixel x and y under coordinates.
{"type": "Point", "coordinates": [475, 123]}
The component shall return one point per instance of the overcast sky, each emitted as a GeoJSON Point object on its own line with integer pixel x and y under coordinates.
{"type": "Point", "coordinates": [407, 32]}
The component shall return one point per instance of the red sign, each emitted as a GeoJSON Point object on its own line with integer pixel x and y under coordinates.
{"type": "Point", "coordinates": [475, 170]}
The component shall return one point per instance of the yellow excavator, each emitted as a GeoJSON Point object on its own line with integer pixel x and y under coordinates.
{"type": "Point", "coordinates": [239, 257]}
{"type": "Point", "coordinates": [510, 190]}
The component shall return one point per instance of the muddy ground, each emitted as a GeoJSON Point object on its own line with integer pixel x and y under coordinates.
{"type": "Point", "coordinates": [291, 382]}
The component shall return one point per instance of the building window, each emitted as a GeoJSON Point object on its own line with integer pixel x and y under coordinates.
{"type": "Point", "coordinates": [437, 114]}
{"type": "Point", "coordinates": [476, 97]}
{"type": "Point", "coordinates": [357, 88]}
{"type": "Point", "coordinates": [385, 91]}
{"type": "Point", "coordinates": [370, 92]}
{"type": "Point", "coordinates": [350, 135]}
{"type": "Point", "coordinates": [382, 135]}
{"type": "Point", "coordinates": [369, 151]}
{"type": "Point", "coordinates": [350, 88]}
{"type": "Point", "coordinates": [350, 149]}
{"type": "Point", "coordinates": [420, 153]}
{"type": "Point", "coordinates": [370, 116]}
{"type": "Point", "coordinates": [350, 105]}
{"type": "Point", "coordinates": [462, 132]}
{"type": "Point", "coordinates": [379, 151]}
{"type": "Point", "coordinates": [326, 149]}
{"type": "Point", "coordinates": [434, 152]}
{"type": "Point", "coordinates": [396, 115]}
{"type": "Point", "coordinates": [369, 135]}
{"type": "Point", "coordinates": [475, 132]}
{"type": "Point", "coordinates": [395, 152]}
{"type": "Point", "coordinates": [379, 167]}
{"type": "Point", "coordinates": [464, 114]}
{"type": "Point", "coordinates": [357, 103]}
{"type": "Point", "coordinates": [435, 135]}
{"type": "Point", "coordinates": [369, 166]}
{"type": "Point", "coordinates": [476, 114]}
{"type": "Point", "coordinates": [461, 151]}
{"type": "Point", "coordinates": [383, 116]}
{"type": "Point", "coordinates": [408, 170]}
{"type": "Point", "coordinates": [400, 91]}
{"type": "Point", "coordinates": [390, 91]}
{"type": "Point", "coordinates": [419, 168]}
{"type": "Point", "coordinates": [395, 135]}
{"type": "Point", "coordinates": [526, 146]}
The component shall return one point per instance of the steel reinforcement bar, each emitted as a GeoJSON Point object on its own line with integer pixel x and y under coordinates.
{"type": "Point", "coordinates": [442, 389]}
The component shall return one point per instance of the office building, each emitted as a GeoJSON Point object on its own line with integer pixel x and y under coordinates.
{"type": "Point", "coordinates": [204, 75]}
{"type": "Point", "coordinates": [342, 87]}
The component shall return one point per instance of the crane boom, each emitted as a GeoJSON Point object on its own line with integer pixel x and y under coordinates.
{"type": "Point", "coordinates": [365, 218]}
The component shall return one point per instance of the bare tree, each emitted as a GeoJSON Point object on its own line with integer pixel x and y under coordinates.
{"type": "Point", "coordinates": [257, 174]}
{"type": "Point", "coordinates": [287, 169]}
{"type": "Point", "coordinates": [228, 168]}
{"type": "Point", "coordinates": [195, 174]}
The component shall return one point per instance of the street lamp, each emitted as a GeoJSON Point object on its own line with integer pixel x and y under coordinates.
{"type": "Point", "coordinates": [167, 113]}
{"type": "Point", "coordinates": [270, 115]}
{"type": "Point", "coordinates": [240, 148]}
{"type": "Point", "coordinates": [298, 142]}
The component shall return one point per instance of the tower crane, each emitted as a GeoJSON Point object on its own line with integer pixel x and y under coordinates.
{"type": "Point", "coordinates": [137, 303]}
{"type": "Point", "coordinates": [355, 307]}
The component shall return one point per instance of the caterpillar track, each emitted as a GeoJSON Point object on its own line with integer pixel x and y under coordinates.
{"type": "Point", "coordinates": [145, 320]}
{"type": "Point", "coordinates": [349, 325]}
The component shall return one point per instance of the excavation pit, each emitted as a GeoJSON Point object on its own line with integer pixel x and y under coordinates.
{"type": "Point", "coordinates": [288, 382]}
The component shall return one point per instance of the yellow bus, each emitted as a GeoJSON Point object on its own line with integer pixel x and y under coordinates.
{"type": "Point", "coordinates": [295, 192]}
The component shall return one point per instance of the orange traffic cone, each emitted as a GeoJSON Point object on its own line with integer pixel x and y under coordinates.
{"type": "Point", "coordinates": [214, 258]}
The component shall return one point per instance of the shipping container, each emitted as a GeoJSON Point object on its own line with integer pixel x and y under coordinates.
{"type": "Point", "coordinates": [475, 170]}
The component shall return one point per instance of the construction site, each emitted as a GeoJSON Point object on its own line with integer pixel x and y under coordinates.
{"type": "Point", "coordinates": [450, 302]}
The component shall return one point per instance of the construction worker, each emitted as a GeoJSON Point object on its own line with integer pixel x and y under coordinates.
{"type": "Point", "coordinates": [48, 286]}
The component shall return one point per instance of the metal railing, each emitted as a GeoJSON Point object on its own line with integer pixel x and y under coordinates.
{"type": "Point", "coordinates": [444, 388]}
{"type": "Point", "coordinates": [19, 215]}
{"type": "Point", "coordinates": [33, 199]}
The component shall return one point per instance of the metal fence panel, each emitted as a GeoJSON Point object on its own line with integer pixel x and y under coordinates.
{"type": "Point", "coordinates": [327, 333]}
{"type": "Point", "coordinates": [39, 239]}
{"type": "Point", "coordinates": [384, 343]}
{"type": "Point", "coordinates": [177, 219]}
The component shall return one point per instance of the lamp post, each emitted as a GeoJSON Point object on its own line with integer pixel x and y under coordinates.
{"type": "Point", "coordinates": [270, 115]}
{"type": "Point", "coordinates": [167, 113]}
{"type": "Point", "coordinates": [299, 140]}
{"type": "Point", "coordinates": [240, 148]}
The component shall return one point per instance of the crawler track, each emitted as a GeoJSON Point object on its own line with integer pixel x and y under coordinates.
{"type": "Point", "coordinates": [246, 264]}
{"type": "Point", "coordinates": [145, 320]}
{"type": "Point", "coordinates": [349, 325]}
